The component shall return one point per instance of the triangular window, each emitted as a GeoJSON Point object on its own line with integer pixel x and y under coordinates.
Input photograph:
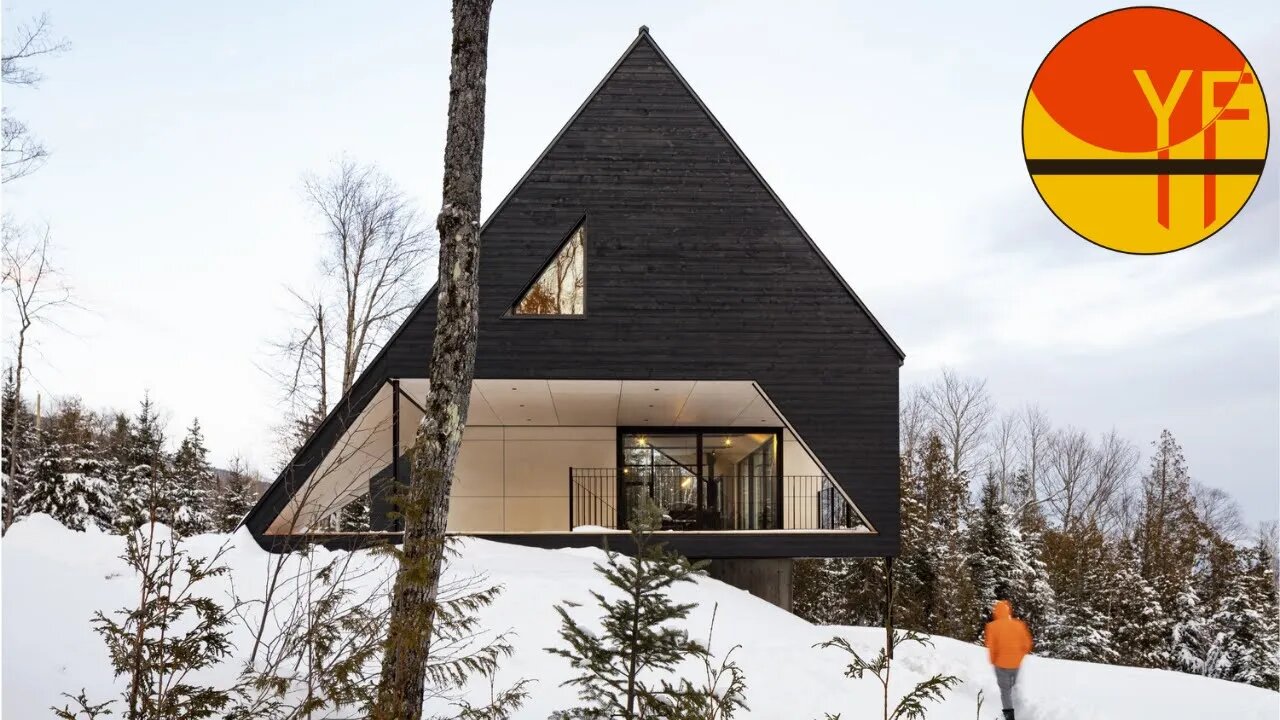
{"type": "Point", "coordinates": [561, 288]}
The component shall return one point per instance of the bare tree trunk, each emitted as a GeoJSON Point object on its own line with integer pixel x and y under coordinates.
{"type": "Point", "coordinates": [426, 504]}
{"type": "Point", "coordinates": [323, 408]}
{"type": "Point", "coordinates": [15, 432]}
{"type": "Point", "coordinates": [35, 286]}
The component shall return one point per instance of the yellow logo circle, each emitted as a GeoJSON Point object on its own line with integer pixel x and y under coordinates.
{"type": "Point", "coordinates": [1145, 130]}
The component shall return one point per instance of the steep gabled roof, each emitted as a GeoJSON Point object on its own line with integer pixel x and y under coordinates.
{"type": "Point", "coordinates": [644, 37]}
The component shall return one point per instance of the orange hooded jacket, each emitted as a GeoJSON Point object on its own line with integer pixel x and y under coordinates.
{"type": "Point", "coordinates": [1008, 639]}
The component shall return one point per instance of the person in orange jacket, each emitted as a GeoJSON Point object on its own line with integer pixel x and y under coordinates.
{"type": "Point", "coordinates": [1008, 641]}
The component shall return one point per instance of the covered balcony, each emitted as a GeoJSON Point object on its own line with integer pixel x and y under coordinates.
{"type": "Point", "coordinates": [576, 457]}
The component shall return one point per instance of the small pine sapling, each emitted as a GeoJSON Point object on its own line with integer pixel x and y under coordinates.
{"type": "Point", "coordinates": [502, 704]}
{"type": "Point", "coordinates": [171, 633]}
{"type": "Point", "coordinates": [616, 667]}
{"type": "Point", "coordinates": [912, 705]}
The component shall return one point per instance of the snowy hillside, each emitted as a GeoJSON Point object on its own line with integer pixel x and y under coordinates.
{"type": "Point", "coordinates": [54, 579]}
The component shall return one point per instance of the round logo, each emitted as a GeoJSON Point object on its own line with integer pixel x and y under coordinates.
{"type": "Point", "coordinates": [1145, 130]}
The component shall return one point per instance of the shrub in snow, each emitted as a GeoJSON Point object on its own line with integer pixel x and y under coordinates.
{"type": "Point", "coordinates": [722, 692]}
{"type": "Point", "coordinates": [912, 705]}
{"type": "Point", "coordinates": [171, 633]}
{"type": "Point", "coordinates": [320, 630]}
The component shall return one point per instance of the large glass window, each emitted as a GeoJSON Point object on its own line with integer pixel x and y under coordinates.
{"type": "Point", "coordinates": [561, 288]}
{"type": "Point", "coordinates": [703, 480]}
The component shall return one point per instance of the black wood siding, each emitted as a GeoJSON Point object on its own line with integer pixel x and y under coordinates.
{"type": "Point", "coordinates": [694, 271]}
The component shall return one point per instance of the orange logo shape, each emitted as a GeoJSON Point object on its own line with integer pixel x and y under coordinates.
{"type": "Point", "coordinates": [1145, 130]}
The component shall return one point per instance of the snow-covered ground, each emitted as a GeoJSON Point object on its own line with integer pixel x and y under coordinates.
{"type": "Point", "coordinates": [54, 579]}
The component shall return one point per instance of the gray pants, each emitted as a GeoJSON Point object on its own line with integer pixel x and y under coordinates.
{"type": "Point", "coordinates": [1006, 679]}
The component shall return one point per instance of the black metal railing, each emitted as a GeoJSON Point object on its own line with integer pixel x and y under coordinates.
{"type": "Point", "coordinates": [690, 502]}
{"type": "Point", "coordinates": [593, 497]}
{"type": "Point", "coordinates": [813, 502]}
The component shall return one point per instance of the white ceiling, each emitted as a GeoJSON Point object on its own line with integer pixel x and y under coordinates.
{"type": "Point", "coordinates": [609, 403]}
{"type": "Point", "coordinates": [366, 446]}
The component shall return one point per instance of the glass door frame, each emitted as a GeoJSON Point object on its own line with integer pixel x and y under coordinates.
{"type": "Point", "coordinates": [699, 432]}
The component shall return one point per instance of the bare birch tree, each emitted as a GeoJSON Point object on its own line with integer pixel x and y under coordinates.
{"type": "Point", "coordinates": [304, 374]}
{"type": "Point", "coordinates": [913, 427]}
{"type": "Point", "coordinates": [1063, 484]}
{"type": "Point", "coordinates": [1084, 483]}
{"type": "Point", "coordinates": [375, 245]}
{"type": "Point", "coordinates": [23, 153]}
{"type": "Point", "coordinates": [1033, 446]}
{"type": "Point", "coordinates": [1003, 460]}
{"type": "Point", "coordinates": [1219, 512]}
{"type": "Point", "coordinates": [1115, 461]}
{"type": "Point", "coordinates": [37, 291]}
{"type": "Point", "coordinates": [375, 248]}
{"type": "Point", "coordinates": [425, 505]}
{"type": "Point", "coordinates": [961, 410]}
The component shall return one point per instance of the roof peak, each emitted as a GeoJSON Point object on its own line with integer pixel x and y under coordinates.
{"type": "Point", "coordinates": [644, 30]}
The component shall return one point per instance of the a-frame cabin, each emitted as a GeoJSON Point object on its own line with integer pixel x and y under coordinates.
{"type": "Point", "coordinates": [653, 321]}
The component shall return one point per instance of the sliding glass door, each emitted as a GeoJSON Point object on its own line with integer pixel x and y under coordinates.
{"type": "Point", "coordinates": [702, 479]}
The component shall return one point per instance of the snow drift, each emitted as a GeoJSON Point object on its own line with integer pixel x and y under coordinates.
{"type": "Point", "coordinates": [54, 579]}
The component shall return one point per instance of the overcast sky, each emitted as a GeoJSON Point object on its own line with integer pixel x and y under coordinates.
{"type": "Point", "coordinates": [179, 133]}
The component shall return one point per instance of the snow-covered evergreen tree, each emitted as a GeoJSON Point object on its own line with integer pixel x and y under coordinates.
{"type": "Point", "coordinates": [839, 591]}
{"type": "Point", "coordinates": [1039, 605]}
{"type": "Point", "coordinates": [69, 481]}
{"type": "Point", "coordinates": [935, 583]}
{"type": "Point", "coordinates": [1233, 650]}
{"type": "Point", "coordinates": [1140, 627]}
{"type": "Point", "coordinates": [42, 489]}
{"type": "Point", "coordinates": [1167, 531]}
{"type": "Point", "coordinates": [193, 485]}
{"type": "Point", "coordinates": [1262, 584]}
{"type": "Point", "coordinates": [235, 496]}
{"type": "Point", "coordinates": [1084, 635]}
{"type": "Point", "coordinates": [1245, 637]}
{"type": "Point", "coordinates": [14, 475]}
{"type": "Point", "coordinates": [1190, 636]}
{"type": "Point", "coordinates": [144, 489]}
{"type": "Point", "coordinates": [997, 558]}
{"type": "Point", "coordinates": [1083, 573]}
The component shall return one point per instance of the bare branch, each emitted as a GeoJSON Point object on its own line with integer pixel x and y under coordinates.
{"type": "Point", "coordinates": [376, 245]}
{"type": "Point", "coordinates": [961, 410]}
{"type": "Point", "coordinates": [37, 291]}
{"type": "Point", "coordinates": [30, 41]}
{"type": "Point", "coordinates": [23, 153]}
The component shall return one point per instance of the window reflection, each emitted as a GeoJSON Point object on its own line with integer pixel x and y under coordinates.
{"type": "Point", "coordinates": [560, 290]}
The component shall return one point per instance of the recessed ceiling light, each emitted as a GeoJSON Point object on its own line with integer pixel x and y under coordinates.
{"type": "Point", "coordinates": [655, 389]}
{"type": "Point", "coordinates": [513, 388]}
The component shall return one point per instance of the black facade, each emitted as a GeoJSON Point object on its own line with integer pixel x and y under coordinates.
{"type": "Point", "coordinates": [694, 270]}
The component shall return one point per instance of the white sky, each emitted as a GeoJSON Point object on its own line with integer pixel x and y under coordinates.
{"type": "Point", "coordinates": [180, 131]}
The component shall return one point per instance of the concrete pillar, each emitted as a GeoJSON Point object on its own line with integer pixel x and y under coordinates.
{"type": "Point", "coordinates": [767, 578]}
